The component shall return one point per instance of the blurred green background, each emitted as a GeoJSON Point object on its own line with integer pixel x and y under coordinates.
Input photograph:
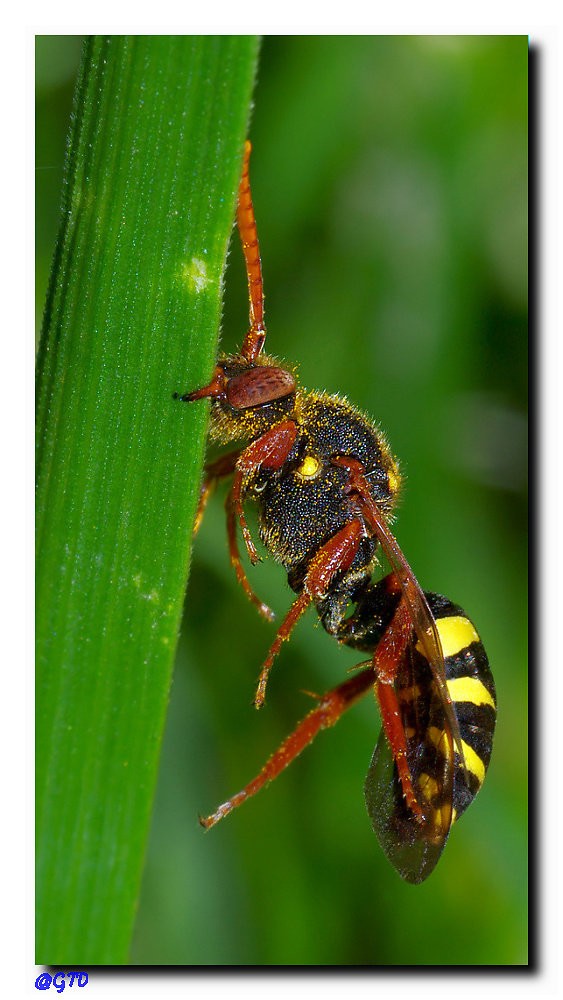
{"type": "Point", "coordinates": [390, 186]}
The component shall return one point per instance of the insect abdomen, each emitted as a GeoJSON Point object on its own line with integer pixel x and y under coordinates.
{"type": "Point", "coordinates": [468, 676]}
{"type": "Point", "coordinates": [472, 690]}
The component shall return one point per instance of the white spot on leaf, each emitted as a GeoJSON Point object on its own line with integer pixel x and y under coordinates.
{"type": "Point", "coordinates": [195, 274]}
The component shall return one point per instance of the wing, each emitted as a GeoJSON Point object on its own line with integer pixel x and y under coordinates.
{"type": "Point", "coordinates": [432, 738]}
{"type": "Point", "coordinates": [428, 639]}
{"type": "Point", "coordinates": [414, 847]}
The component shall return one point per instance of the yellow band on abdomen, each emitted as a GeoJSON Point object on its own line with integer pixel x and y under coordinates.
{"type": "Point", "coordinates": [473, 762]}
{"type": "Point", "coordinates": [470, 689]}
{"type": "Point", "coordinates": [455, 634]}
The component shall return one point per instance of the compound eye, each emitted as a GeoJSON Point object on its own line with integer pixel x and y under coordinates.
{"type": "Point", "coordinates": [258, 386]}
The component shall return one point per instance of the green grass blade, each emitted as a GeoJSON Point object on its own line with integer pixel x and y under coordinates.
{"type": "Point", "coordinates": [132, 314]}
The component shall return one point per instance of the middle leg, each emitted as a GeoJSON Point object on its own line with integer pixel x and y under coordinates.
{"type": "Point", "coordinates": [334, 557]}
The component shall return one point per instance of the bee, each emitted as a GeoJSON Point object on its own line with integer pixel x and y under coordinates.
{"type": "Point", "coordinates": [325, 483]}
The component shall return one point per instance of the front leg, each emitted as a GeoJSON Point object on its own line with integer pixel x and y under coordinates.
{"type": "Point", "coordinates": [334, 557]}
{"type": "Point", "coordinates": [212, 474]}
{"type": "Point", "coordinates": [222, 467]}
{"type": "Point", "coordinates": [269, 451]}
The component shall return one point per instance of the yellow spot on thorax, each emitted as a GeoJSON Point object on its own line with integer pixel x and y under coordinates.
{"type": "Point", "coordinates": [393, 480]}
{"type": "Point", "coordinates": [309, 468]}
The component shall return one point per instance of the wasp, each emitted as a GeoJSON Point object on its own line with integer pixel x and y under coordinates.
{"type": "Point", "coordinates": [325, 484]}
